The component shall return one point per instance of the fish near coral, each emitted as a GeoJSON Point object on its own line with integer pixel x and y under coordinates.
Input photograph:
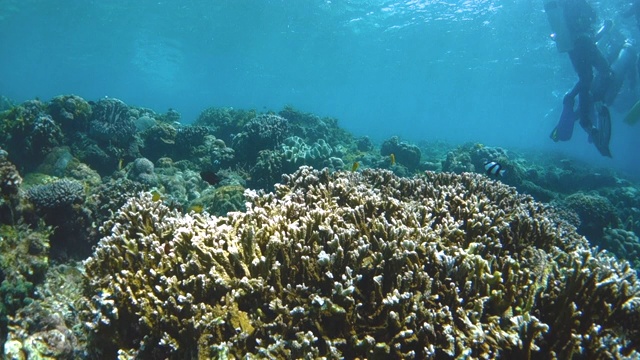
{"type": "Point", "coordinates": [196, 209]}
{"type": "Point", "coordinates": [210, 177]}
{"type": "Point", "coordinates": [392, 159]}
{"type": "Point", "coordinates": [355, 166]}
{"type": "Point", "coordinates": [494, 169]}
{"type": "Point", "coordinates": [156, 195]}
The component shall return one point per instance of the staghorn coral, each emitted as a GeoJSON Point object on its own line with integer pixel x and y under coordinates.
{"type": "Point", "coordinates": [362, 265]}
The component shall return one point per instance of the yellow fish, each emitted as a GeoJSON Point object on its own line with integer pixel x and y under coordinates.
{"type": "Point", "coordinates": [156, 196]}
{"type": "Point", "coordinates": [120, 163]}
{"type": "Point", "coordinates": [196, 209]}
{"type": "Point", "coordinates": [393, 159]}
{"type": "Point", "coordinates": [355, 166]}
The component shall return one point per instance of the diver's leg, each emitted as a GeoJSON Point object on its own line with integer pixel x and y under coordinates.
{"type": "Point", "coordinates": [582, 61]}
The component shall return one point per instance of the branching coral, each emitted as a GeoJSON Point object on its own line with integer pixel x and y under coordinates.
{"type": "Point", "coordinates": [360, 265]}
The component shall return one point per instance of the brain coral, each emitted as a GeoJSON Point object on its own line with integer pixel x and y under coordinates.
{"type": "Point", "coordinates": [58, 195]}
{"type": "Point", "coordinates": [360, 265]}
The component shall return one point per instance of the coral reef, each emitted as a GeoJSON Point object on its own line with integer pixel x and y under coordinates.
{"type": "Point", "coordinates": [159, 141]}
{"type": "Point", "coordinates": [220, 200]}
{"type": "Point", "coordinates": [406, 154]}
{"type": "Point", "coordinates": [10, 179]}
{"type": "Point", "coordinates": [596, 213]}
{"type": "Point", "coordinates": [29, 132]}
{"type": "Point", "coordinates": [23, 263]}
{"type": "Point", "coordinates": [56, 196]}
{"type": "Point", "coordinates": [71, 112]}
{"type": "Point", "coordinates": [61, 204]}
{"type": "Point", "coordinates": [142, 171]}
{"type": "Point", "coordinates": [226, 122]}
{"type": "Point", "coordinates": [313, 128]}
{"type": "Point", "coordinates": [623, 243]}
{"type": "Point", "coordinates": [112, 122]}
{"type": "Point", "coordinates": [264, 132]}
{"type": "Point", "coordinates": [49, 327]}
{"type": "Point", "coordinates": [360, 265]}
{"type": "Point", "coordinates": [5, 103]}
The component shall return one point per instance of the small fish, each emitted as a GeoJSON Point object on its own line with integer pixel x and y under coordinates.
{"type": "Point", "coordinates": [355, 166]}
{"type": "Point", "coordinates": [120, 163]}
{"type": "Point", "coordinates": [196, 209]}
{"type": "Point", "coordinates": [155, 196]}
{"type": "Point", "coordinates": [494, 169]}
{"type": "Point", "coordinates": [210, 177]}
{"type": "Point", "coordinates": [392, 157]}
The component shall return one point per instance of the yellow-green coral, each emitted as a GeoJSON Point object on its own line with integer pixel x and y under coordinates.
{"type": "Point", "coordinates": [360, 265]}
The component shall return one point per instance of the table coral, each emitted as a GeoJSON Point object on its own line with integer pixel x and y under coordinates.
{"type": "Point", "coordinates": [364, 265]}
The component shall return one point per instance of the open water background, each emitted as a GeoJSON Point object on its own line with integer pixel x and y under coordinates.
{"type": "Point", "coordinates": [477, 70]}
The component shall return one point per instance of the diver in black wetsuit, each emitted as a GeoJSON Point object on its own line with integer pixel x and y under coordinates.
{"type": "Point", "coordinates": [573, 23]}
{"type": "Point", "coordinates": [585, 56]}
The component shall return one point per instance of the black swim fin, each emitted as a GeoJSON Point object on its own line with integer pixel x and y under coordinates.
{"type": "Point", "coordinates": [603, 135]}
{"type": "Point", "coordinates": [564, 130]}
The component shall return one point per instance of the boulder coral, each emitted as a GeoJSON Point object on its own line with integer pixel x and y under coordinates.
{"type": "Point", "coordinates": [360, 265]}
{"type": "Point", "coordinates": [264, 132]}
{"type": "Point", "coordinates": [405, 154]}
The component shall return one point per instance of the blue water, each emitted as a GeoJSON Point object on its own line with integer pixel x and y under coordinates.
{"type": "Point", "coordinates": [476, 70]}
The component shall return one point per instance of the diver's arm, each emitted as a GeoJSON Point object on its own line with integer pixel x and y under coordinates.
{"type": "Point", "coordinates": [603, 30]}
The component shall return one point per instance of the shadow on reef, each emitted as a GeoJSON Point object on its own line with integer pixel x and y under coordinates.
{"type": "Point", "coordinates": [68, 165]}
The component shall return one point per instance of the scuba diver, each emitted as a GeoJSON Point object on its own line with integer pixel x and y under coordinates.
{"type": "Point", "coordinates": [573, 24]}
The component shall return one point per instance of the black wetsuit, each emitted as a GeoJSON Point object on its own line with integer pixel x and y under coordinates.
{"type": "Point", "coordinates": [585, 56]}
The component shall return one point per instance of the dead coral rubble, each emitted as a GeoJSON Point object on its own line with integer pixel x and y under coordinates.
{"type": "Point", "coordinates": [360, 265]}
